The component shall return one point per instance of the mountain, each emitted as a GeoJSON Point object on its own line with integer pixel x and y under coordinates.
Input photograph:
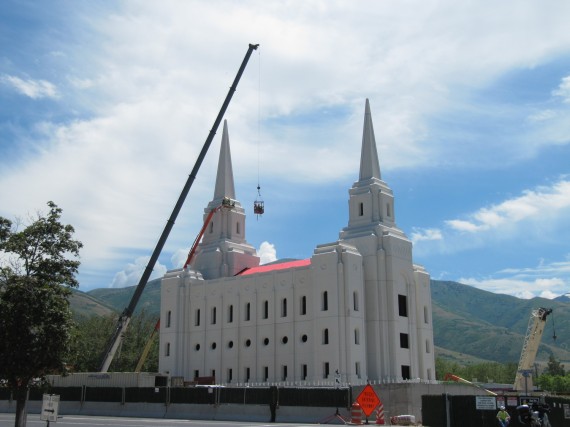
{"type": "Point", "coordinates": [84, 305]}
{"type": "Point", "coordinates": [119, 298]}
{"type": "Point", "coordinates": [470, 325]}
{"type": "Point", "coordinates": [563, 298]}
{"type": "Point", "coordinates": [493, 326]}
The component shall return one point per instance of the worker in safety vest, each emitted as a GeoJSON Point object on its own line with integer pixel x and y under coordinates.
{"type": "Point", "coordinates": [503, 417]}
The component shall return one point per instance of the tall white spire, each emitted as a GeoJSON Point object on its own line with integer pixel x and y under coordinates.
{"type": "Point", "coordinates": [224, 250]}
{"type": "Point", "coordinates": [369, 165]}
{"type": "Point", "coordinates": [225, 177]}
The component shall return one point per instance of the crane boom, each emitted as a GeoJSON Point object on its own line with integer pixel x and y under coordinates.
{"type": "Point", "coordinates": [536, 324]}
{"type": "Point", "coordinates": [125, 317]}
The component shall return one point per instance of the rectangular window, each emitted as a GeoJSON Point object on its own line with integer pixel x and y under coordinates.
{"type": "Point", "coordinates": [403, 305]}
{"type": "Point", "coordinates": [388, 210]}
{"type": "Point", "coordinates": [213, 322]}
{"type": "Point", "coordinates": [428, 348]}
{"type": "Point", "coordinates": [304, 372]}
{"type": "Point", "coordinates": [230, 313]}
{"type": "Point", "coordinates": [404, 341]}
{"type": "Point", "coordinates": [325, 336]}
{"type": "Point", "coordinates": [197, 318]}
{"type": "Point", "coordinates": [168, 318]}
{"type": "Point", "coordinates": [284, 372]}
{"type": "Point", "coordinates": [237, 228]}
{"type": "Point", "coordinates": [266, 373]}
{"type": "Point", "coordinates": [248, 311]}
{"type": "Point", "coordinates": [266, 309]}
{"type": "Point", "coordinates": [247, 374]}
{"type": "Point", "coordinates": [357, 369]}
{"type": "Point", "coordinates": [196, 374]}
{"type": "Point", "coordinates": [426, 318]}
{"type": "Point", "coordinates": [325, 301]}
{"type": "Point", "coordinates": [167, 349]}
{"type": "Point", "coordinates": [303, 305]}
{"type": "Point", "coordinates": [355, 300]}
{"type": "Point", "coordinates": [326, 370]}
{"type": "Point", "coordinates": [284, 307]}
{"type": "Point", "coordinates": [356, 337]}
{"type": "Point", "coordinates": [406, 372]}
{"type": "Point", "coordinates": [361, 209]}
{"type": "Point", "coordinates": [230, 375]}
{"type": "Point", "coordinates": [213, 372]}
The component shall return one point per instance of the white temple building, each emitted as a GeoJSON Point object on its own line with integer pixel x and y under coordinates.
{"type": "Point", "coordinates": [358, 310]}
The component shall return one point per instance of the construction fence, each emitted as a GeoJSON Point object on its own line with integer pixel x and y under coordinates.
{"type": "Point", "coordinates": [465, 411]}
{"type": "Point", "coordinates": [316, 397]}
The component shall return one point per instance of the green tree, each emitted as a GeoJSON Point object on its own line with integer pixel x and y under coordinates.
{"type": "Point", "coordinates": [554, 367]}
{"type": "Point", "coordinates": [37, 267]}
{"type": "Point", "coordinates": [92, 335]}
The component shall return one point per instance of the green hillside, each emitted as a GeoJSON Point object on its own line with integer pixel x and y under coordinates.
{"type": "Point", "coordinates": [470, 325]}
{"type": "Point", "coordinates": [119, 298]}
{"type": "Point", "coordinates": [492, 326]}
{"type": "Point", "coordinates": [84, 305]}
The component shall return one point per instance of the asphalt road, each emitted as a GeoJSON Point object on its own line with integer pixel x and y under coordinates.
{"type": "Point", "coordinates": [7, 420]}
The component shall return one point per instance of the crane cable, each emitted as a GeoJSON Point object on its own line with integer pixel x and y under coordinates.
{"type": "Point", "coordinates": [258, 119]}
{"type": "Point", "coordinates": [258, 205]}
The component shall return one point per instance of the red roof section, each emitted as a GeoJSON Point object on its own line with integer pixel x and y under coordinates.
{"type": "Point", "coordinates": [276, 267]}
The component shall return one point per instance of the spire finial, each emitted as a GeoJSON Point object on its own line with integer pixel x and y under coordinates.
{"type": "Point", "coordinates": [225, 177]}
{"type": "Point", "coordinates": [369, 165]}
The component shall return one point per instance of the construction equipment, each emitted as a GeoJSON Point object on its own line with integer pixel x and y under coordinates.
{"type": "Point", "coordinates": [226, 203]}
{"type": "Point", "coordinates": [147, 347]}
{"type": "Point", "coordinates": [451, 377]}
{"type": "Point", "coordinates": [535, 329]}
{"type": "Point", "coordinates": [125, 317]}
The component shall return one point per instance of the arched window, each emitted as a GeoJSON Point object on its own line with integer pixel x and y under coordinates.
{"type": "Point", "coordinates": [325, 301]}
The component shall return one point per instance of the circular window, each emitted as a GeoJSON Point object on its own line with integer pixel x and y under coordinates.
{"type": "Point", "coordinates": [247, 342]}
{"type": "Point", "coordinates": [213, 346]}
{"type": "Point", "coordinates": [284, 340]}
{"type": "Point", "coordinates": [231, 344]}
{"type": "Point", "coordinates": [304, 338]}
{"type": "Point", "coordinates": [266, 341]}
{"type": "Point", "coordinates": [197, 347]}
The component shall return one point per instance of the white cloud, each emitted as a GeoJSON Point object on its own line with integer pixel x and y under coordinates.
{"type": "Point", "coordinates": [34, 89]}
{"type": "Point", "coordinates": [179, 257]}
{"type": "Point", "coordinates": [563, 90]}
{"type": "Point", "coordinates": [532, 205]}
{"type": "Point", "coordinates": [546, 288]}
{"type": "Point", "coordinates": [546, 280]}
{"type": "Point", "coordinates": [267, 253]}
{"type": "Point", "coordinates": [426, 234]}
{"type": "Point", "coordinates": [132, 273]}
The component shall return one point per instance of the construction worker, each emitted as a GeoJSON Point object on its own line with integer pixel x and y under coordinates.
{"type": "Point", "coordinates": [503, 417]}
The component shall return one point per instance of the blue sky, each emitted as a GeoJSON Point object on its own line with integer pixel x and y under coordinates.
{"type": "Point", "coordinates": [105, 105]}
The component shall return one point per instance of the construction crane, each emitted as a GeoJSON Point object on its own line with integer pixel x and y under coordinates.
{"type": "Point", "coordinates": [125, 317]}
{"type": "Point", "coordinates": [226, 203]}
{"type": "Point", "coordinates": [536, 324]}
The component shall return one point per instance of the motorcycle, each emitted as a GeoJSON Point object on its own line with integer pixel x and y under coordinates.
{"type": "Point", "coordinates": [535, 417]}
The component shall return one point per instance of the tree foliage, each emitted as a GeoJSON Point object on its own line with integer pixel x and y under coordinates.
{"type": "Point", "coordinates": [37, 266]}
{"type": "Point", "coordinates": [91, 337]}
{"type": "Point", "coordinates": [503, 373]}
{"type": "Point", "coordinates": [554, 367]}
